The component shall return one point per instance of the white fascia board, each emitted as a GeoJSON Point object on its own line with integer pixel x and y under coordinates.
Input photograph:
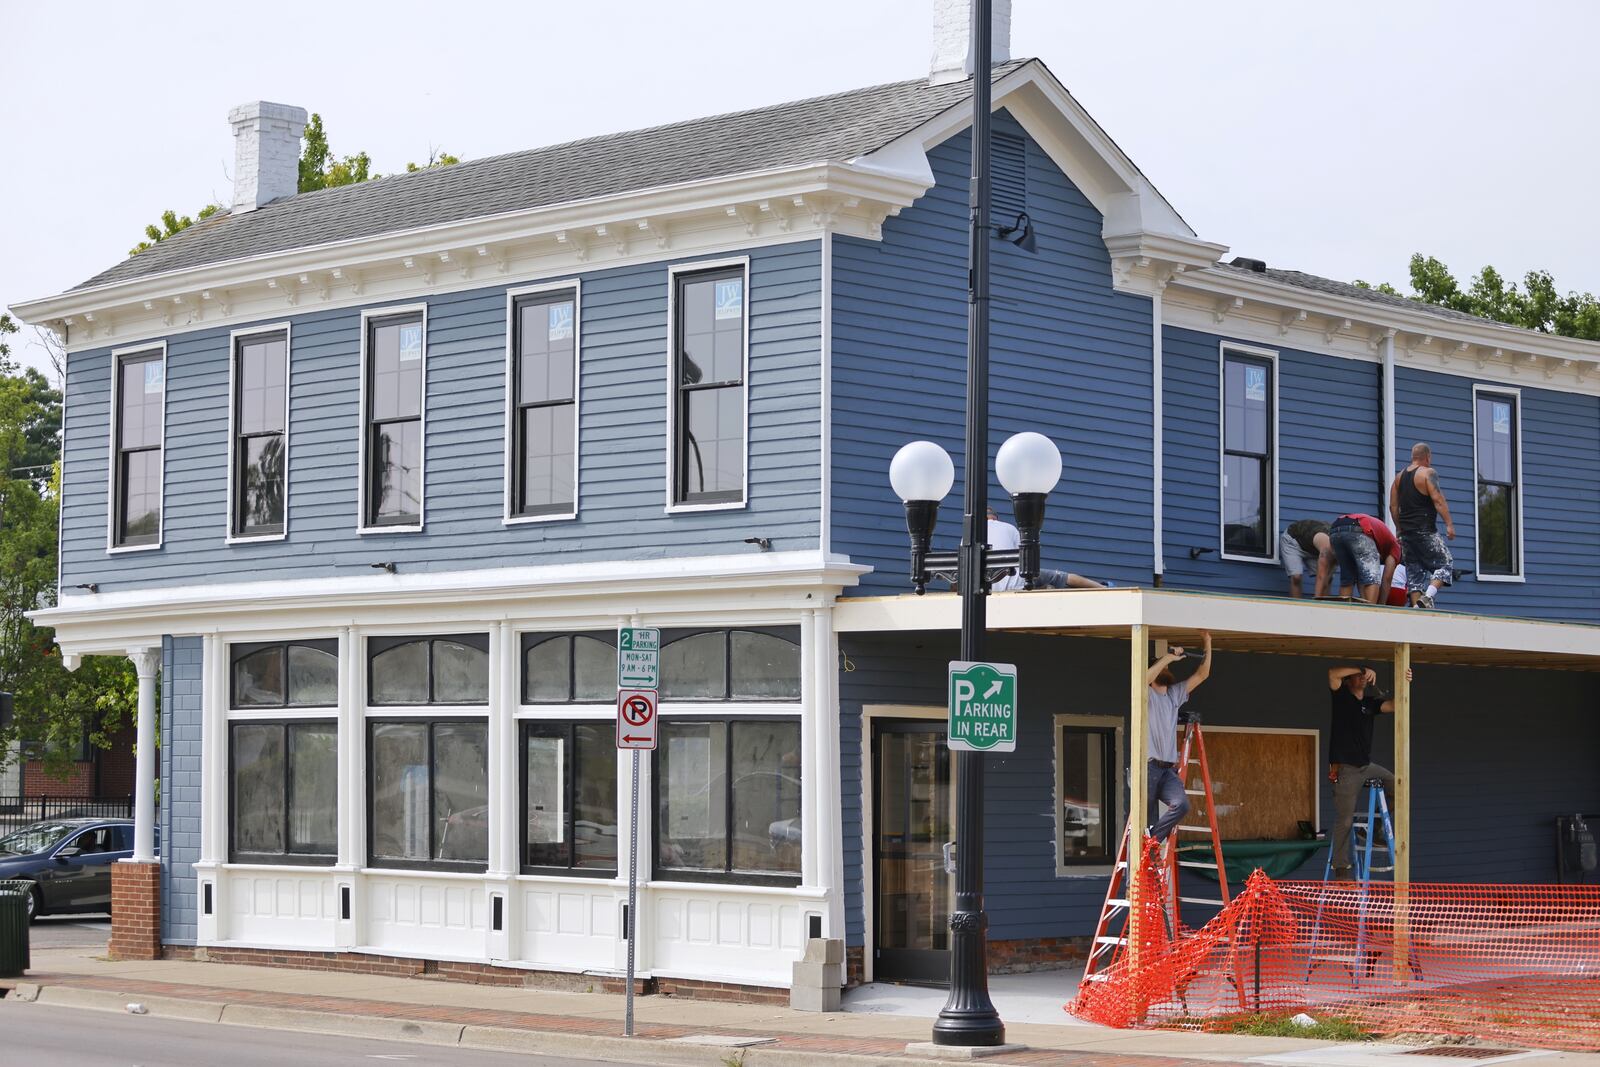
{"type": "Point", "coordinates": [1086, 608]}
{"type": "Point", "coordinates": [1484, 334]}
{"type": "Point", "coordinates": [91, 623]}
{"type": "Point", "coordinates": [822, 178]}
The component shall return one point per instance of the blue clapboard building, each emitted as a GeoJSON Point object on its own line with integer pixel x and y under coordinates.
{"type": "Point", "coordinates": [370, 476]}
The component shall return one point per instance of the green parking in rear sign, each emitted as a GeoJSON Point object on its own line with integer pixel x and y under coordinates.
{"type": "Point", "coordinates": [983, 707]}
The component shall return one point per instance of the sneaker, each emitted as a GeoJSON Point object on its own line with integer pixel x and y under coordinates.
{"type": "Point", "coordinates": [1343, 874]}
{"type": "Point", "coordinates": [1426, 601]}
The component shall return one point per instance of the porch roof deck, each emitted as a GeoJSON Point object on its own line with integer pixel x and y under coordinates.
{"type": "Point", "coordinates": [1248, 624]}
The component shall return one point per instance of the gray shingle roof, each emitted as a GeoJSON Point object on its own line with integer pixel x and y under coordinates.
{"type": "Point", "coordinates": [837, 127]}
{"type": "Point", "coordinates": [1316, 283]}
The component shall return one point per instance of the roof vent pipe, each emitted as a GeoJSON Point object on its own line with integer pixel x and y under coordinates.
{"type": "Point", "coordinates": [952, 39]}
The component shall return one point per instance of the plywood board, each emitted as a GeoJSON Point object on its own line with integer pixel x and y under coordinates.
{"type": "Point", "coordinates": [1264, 784]}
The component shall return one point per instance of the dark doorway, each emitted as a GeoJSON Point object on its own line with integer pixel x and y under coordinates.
{"type": "Point", "coordinates": [912, 820]}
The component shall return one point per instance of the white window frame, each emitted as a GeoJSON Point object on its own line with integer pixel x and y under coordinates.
{"type": "Point", "coordinates": [302, 711]}
{"type": "Point", "coordinates": [367, 315]}
{"type": "Point", "coordinates": [1271, 356]}
{"type": "Point", "coordinates": [113, 505]}
{"type": "Point", "coordinates": [1519, 550]}
{"type": "Point", "coordinates": [1118, 789]}
{"type": "Point", "coordinates": [234, 338]}
{"type": "Point", "coordinates": [508, 517]}
{"type": "Point", "coordinates": [695, 267]}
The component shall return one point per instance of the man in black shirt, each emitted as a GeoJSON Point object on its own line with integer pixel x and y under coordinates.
{"type": "Point", "coordinates": [1356, 705]}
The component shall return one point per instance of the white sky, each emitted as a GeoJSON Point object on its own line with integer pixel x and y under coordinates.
{"type": "Point", "coordinates": [1333, 138]}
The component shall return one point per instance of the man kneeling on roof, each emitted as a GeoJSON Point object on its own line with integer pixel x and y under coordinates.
{"type": "Point", "coordinates": [1003, 536]}
{"type": "Point", "coordinates": [1367, 554]}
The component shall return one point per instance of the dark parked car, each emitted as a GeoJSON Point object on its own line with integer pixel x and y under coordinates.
{"type": "Point", "coordinates": [68, 861]}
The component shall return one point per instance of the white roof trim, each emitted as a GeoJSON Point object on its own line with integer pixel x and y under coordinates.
{"type": "Point", "coordinates": [1186, 611]}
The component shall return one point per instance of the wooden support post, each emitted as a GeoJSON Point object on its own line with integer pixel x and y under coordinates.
{"type": "Point", "coordinates": [1402, 812]}
{"type": "Point", "coordinates": [1138, 779]}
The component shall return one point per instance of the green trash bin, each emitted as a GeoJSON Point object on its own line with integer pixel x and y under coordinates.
{"type": "Point", "coordinates": [14, 959]}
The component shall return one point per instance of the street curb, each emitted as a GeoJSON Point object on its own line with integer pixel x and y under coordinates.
{"type": "Point", "coordinates": [647, 1051]}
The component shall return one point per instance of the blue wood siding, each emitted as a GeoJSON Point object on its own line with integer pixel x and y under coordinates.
{"type": "Point", "coordinates": [1560, 493]}
{"type": "Point", "coordinates": [1485, 796]}
{"type": "Point", "coordinates": [1330, 434]}
{"type": "Point", "coordinates": [1070, 359]}
{"type": "Point", "coordinates": [181, 698]}
{"type": "Point", "coordinates": [622, 480]}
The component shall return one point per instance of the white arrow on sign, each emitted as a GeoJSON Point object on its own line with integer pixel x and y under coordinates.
{"type": "Point", "coordinates": [994, 687]}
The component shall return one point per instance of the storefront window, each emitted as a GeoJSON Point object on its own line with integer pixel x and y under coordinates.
{"type": "Point", "coordinates": [729, 800]}
{"type": "Point", "coordinates": [285, 792]}
{"type": "Point", "coordinates": [570, 796]}
{"type": "Point", "coordinates": [429, 794]}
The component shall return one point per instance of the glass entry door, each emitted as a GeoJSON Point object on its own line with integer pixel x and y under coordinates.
{"type": "Point", "coordinates": [913, 813]}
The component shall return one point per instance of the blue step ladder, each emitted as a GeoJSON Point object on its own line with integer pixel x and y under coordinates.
{"type": "Point", "coordinates": [1364, 840]}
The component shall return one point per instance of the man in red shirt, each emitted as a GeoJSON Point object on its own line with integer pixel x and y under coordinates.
{"type": "Point", "coordinates": [1367, 553]}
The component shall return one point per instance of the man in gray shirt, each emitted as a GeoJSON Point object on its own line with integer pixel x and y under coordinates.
{"type": "Point", "coordinates": [1167, 695]}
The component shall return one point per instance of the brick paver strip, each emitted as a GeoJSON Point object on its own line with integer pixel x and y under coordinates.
{"type": "Point", "coordinates": [521, 1020]}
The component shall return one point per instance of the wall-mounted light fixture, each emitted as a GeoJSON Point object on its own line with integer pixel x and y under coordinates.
{"type": "Point", "coordinates": [763, 543]}
{"type": "Point", "coordinates": [90, 587]}
{"type": "Point", "coordinates": [389, 567]}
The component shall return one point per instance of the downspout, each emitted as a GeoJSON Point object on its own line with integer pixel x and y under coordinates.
{"type": "Point", "coordinates": [1388, 427]}
{"type": "Point", "coordinates": [1157, 439]}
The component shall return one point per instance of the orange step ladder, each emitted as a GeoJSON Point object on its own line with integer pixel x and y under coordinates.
{"type": "Point", "coordinates": [1108, 945]}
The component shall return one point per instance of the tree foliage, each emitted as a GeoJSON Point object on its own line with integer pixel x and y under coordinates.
{"type": "Point", "coordinates": [1537, 305]}
{"type": "Point", "coordinates": [319, 169]}
{"type": "Point", "coordinates": [53, 706]}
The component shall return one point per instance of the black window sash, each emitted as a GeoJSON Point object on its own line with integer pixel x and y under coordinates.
{"type": "Point", "coordinates": [530, 641]}
{"type": "Point", "coordinates": [1110, 789]}
{"type": "Point", "coordinates": [431, 727]}
{"type": "Point", "coordinates": [286, 857]}
{"type": "Point", "coordinates": [1510, 564]}
{"type": "Point", "coordinates": [520, 507]}
{"type": "Point", "coordinates": [123, 538]}
{"type": "Point", "coordinates": [783, 633]}
{"type": "Point", "coordinates": [375, 425]}
{"type": "Point", "coordinates": [241, 452]}
{"type": "Point", "coordinates": [1269, 506]}
{"type": "Point", "coordinates": [241, 651]}
{"type": "Point", "coordinates": [728, 873]}
{"type": "Point", "coordinates": [479, 641]}
{"type": "Point", "coordinates": [567, 731]}
{"type": "Point", "coordinates": [680, 492]}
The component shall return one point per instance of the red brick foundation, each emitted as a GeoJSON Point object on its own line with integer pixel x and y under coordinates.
{"type": "Point", "coordinates": [135, 911]}
{"type": "Point", "coordinates": [1036, 954]}
{"type": "Point", "coordinates": [478, 973]}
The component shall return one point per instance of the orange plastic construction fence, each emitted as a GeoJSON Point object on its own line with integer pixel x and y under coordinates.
{"type": "Point", "coordinates": [1513, 963]}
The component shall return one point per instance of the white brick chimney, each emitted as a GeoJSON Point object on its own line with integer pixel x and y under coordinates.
{"type": "Point", "coordinates": [952, 39]}
{"type": "Point", "coordinates": [266, 153]}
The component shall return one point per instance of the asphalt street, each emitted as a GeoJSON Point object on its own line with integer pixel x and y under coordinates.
{"type": "Point", "coordinates": [70, 931]}
{"type": "Point", "coordinates": [74, 1037]}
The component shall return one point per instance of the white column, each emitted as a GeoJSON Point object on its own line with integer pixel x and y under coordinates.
{"type": "Point", "coordinates": [503, 801]}
{"type": "Point", "coordinates": [827, 812]}
{"type": "Point", "coordinates": [810, 786]}
{"type": "Point", "coordinates": [147, 662]}
{"type": "Point", "coordinates": [352, 764]}
{"type": "Point", "coordinates": [214, 797]}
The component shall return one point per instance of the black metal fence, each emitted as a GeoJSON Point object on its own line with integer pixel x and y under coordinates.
{"type": "Point", "coordinates": [20, 811]}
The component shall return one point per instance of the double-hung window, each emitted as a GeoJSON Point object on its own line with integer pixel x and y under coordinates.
{"type": "Point", "coordinates": [709, 369]}
{"type": "Point", "coordinates": [1249, 459]}
{"type": "Point", "coordinates": [428, 771]}
{"type": "Point", "coordinates": [1498, 437]}
{"type": "Point", "coordinates": [283, 752]}
{"type": "Point", "coordinates": [260, 434]}
{"type": "Point", "coordinates": [395, 380]}
{"type": "Point", "coordinates": [140, 391]}
{"type": "Point", "coordinates": [544, 428]}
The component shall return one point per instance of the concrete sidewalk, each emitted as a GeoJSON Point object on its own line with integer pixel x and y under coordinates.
{"type": "Point", "coordinates": [670, 1030]}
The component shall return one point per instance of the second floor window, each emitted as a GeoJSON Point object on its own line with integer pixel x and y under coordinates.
{"type": "Point", "coordinates": [544, 411]}
{"type": "Point", "coordinates": [1497, 454]}
{"type": "Point", "coordinates": [1248, 415]}
{"type": "Point", "coordinates": [141, 384]}
{"type": "Point", "coordinates": [394, 421]}
{"type": "Point", "coordinates": [260, 425]}
{"type": "Point", "coordinates": [709, 387]}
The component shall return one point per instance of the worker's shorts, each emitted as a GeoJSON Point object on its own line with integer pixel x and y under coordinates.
{"type": "Point", "coordinates": [1427, 559]}
{"type": "Point", "coordinates": [1359, 561]}
{"type": "Point", "coordinates": [1293, 557]}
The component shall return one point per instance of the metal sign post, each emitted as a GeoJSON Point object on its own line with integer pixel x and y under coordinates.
{"type": "Point", "coordinates": [638, 679]}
